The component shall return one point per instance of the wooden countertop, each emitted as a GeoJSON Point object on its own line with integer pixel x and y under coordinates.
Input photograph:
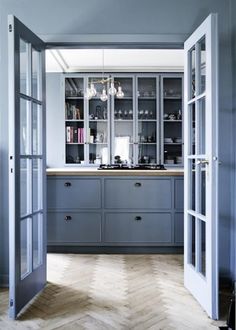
{"type": "Point", "coordinates": [91, 171]}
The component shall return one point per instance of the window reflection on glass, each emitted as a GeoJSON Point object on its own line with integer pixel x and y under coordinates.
{"type": "Point", "coordinates": [37, 239]}
{"type": "Point", "coordinates": [24, 247]}
{"type": "Point", "coordinates": [193, 240]}
{"type": "Point", "coordinates": [24, 187]}
{"type": "Point", "coordinates": [37, 129]}
{"type": "Point", "coordinates": [35, 74]}
{"type": "Point", "coordinates": [202, 127]}
{"type": "Point", "coordinates": [37, 184]}
{"type": "Point", "coordinates": [24, 127]}
{"type": "Point", "coordinates": [193, 72]}
{"type": "Point", "coordinates": [24, 67]}
{"type": "Point", "coordinates": [203, 65]}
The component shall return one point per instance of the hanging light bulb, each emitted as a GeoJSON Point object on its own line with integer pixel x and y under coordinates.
{"type": "Point", "coordinates": [119, 93]}
{"type": "Point", "coordinates": [112, 89]}
{"type": "Point", "coordinates": [92, 90]}
{"type": "Point", "coordinates": [103, 96]}
{"type": "Point", "coordinates": [88, 94]}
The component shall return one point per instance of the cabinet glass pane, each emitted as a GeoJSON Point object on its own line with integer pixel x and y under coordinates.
{"type": "Point", "coordinates": [74, 87]}
{"type": "Point", "coordinates": [123, 141]}
{"type": "Point", "coordinates": [37, 184]}
{"type": "Point", "coordinates": [24, 67]}
{"type": "Point", "coordinates": [25, 207]}
{"type": "Point", "coordinates": [24, 247]}
{"type": "Point", "coordinates": [37, 129]}
{"type": "Point", "coordinates": [172, 120]}
{"type": "Point", "coordinates": [37, 238]}
{"type": "Point", "coordinates": [147, 142]}
{"type": "Point", "coordinates": [203, 65]}
{"type": "Point", "coordinates": [98, 139]}
{"type": "Point", "coordinates": [24, 127]}
{"type": "Point", "coordinates": [36, 88]}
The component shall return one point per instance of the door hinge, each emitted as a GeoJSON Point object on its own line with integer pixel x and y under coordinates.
{"type": "Point", "coordinates": [11, 302]}
{"type": "Point", "coordinates": [10, 28]}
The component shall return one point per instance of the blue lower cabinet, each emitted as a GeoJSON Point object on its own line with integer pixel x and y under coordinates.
{"type": "Point", "coordinates": [137, 228]}
{"type": "Point", "coordinates": [179, 228]}
{"type": "Point", "coordinates": [72, 227]}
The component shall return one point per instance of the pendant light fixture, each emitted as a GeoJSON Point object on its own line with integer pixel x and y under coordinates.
{"type": "Point", "coordinates": [112, 90]}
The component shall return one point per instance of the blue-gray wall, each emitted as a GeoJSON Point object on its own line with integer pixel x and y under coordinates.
{"type": "Point", "coordinates": [176, 17]}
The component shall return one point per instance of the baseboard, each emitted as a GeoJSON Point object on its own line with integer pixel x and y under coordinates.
{"type": "Point", "coordinates": [115, 249]}
{"type": "Point", "coordinates": [4, 281]}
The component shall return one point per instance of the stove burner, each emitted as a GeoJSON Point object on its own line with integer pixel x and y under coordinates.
{"type": "Point", "coordinates": [131, 167]}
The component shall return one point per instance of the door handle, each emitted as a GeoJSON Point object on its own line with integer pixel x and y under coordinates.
{"type": "Point", "coordinates": [203, 162]}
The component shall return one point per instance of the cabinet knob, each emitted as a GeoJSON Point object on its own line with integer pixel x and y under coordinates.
{"type": "Point", "coordinates": [138, 218]}
{"type": "Point", "coordinates": [67, 184]}
{"type": "Point", "coordinates": [138, 184]}
{"type": "Point", "coordinates": [68, 218]}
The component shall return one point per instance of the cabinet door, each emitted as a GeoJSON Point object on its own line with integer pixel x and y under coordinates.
{"type": "Point", "coordinates": [147, 136]}
{"type": "Point", "coordinates": [74, 120]}
{"type": "Point", "coordinates": [123, 121]}
{"type": "Point", "coordinates": [172, 112]}
{"type": "Point", "coordinates": [98, 122]}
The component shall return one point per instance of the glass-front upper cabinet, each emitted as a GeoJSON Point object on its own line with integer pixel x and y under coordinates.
{"type": "Point", "coordinates": [148, 120]}
{"type": "Point", "coordinates": [74, 120]}
{"type": "Point", "coordinates": [98, 122]}
{"type": "Point", "coordinates": [123, 120]}
{"type": "Point", "coordinates": [172, 119]}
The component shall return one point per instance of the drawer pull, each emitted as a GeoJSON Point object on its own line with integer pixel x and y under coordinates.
{"type": "Point", "coordinates": [68, 218]}
{"type": "Point", "coordinates": [138, 218]}
{"type": "Point", "coordinates": [67, 184]}
{"type": "Point", "coordinates": [138, 184]}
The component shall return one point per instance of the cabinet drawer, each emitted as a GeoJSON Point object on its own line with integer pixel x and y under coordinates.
{"type": "Point", "coordinates": [74, 227]}
{"type": "Point", "coordinates": [179, 227]}
{"type": "Point", "coordinates": [179, 194]}
{"type": "Point", "coordinates": [139, 194]}
{"type": "Point", "coordinates": [138, 227]}
{"type": "Point", "coordinates": [74, 193]}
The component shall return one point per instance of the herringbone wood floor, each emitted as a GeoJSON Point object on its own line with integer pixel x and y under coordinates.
{"type": "Point", "coordinates": [124, 292]}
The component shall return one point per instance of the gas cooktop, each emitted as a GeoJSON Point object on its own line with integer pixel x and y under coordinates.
{"type": "Point", "coordinates": [131, 167]}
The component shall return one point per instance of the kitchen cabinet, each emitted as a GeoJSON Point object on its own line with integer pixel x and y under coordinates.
{"type": "Point", "coordinates": [115, 211]}
{"type": "Point", "coordinates": [144, 126]}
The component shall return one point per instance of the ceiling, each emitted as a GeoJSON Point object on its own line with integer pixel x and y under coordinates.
{"type": "Point", "coordinates": [85, 60]}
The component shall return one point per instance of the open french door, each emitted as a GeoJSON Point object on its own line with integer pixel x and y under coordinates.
{"type": "Point", "coordinates": [27, 177]}
{"type": "Point", "coordinates": [201, 165]}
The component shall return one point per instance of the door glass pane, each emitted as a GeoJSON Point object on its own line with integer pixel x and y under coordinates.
{"type": "Point", "coordinates": [192, 130]}
{"type": "Point", "coordinates": [192, 240]}
{"type": "Point", "coordinates": [35, 74]}
{"type": "Point", "coordinates": [24, 187]}
{"type": "Point", "coordinates": [202, 189]}
{"type": "Point", "coordinates": [203, 247]}
{"type": "Point", "coordinates": [203, 65]}
{"type": "Point", "coordinates": [192, 184]}
{"type": "Point", "coordinates": [37, 184]}
{"type": "Point", "coordinates": [24, 66]}
{"type": "Point", "coordinates": [24, 246]}
{"type": "Point", "coordinates": [193, 72]}
{"type": "Point", "coordinates": [37, 238]}
{"type": "Point", "coordinates": [202, 127]}
{"type": "Point", "coordinates": [24, 127]}
{"type": "Point", "coordinates": [37, 129]}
